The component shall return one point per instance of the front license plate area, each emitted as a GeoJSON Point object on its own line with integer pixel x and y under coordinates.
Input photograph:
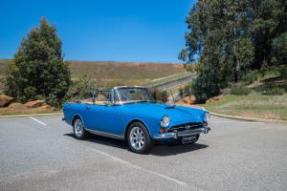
{"type": "Point", "coordinates": [189, 139]}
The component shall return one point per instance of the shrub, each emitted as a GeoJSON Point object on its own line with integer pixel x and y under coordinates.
{"type": "Point", "coordinates": [240, 90]}
{"type": "Point", "coordinates": [208, 82]}
{"type": "Point", "coordinates": [204, 89]}
{"type": "Point", "coordinates": [273, 91]}
{"type": "Point", "coordinates": [283, 73]}
{"type": "Point", "coordinates": [251, 77]}
{"type": "Point", "coordinates": [186, 90]}
{"type": "Point", "coordinates": [181, 92]}
{"type": "Point", "coordinates": [158, 95]}
{"type": "Point", "coordinates": [81, 89]}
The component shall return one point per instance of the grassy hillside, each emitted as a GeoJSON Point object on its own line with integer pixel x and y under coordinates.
{"type": "Point", "coordinates": [121, 70]}
{"type": "Point", "coordinates": [254, 105]}
{"type": "Point", "coordinates": [115, 73]}
{"type": "Point", "coordinates": [263, 94]}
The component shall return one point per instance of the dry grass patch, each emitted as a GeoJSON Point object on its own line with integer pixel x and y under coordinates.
{"type": "Point", "coordinates": [258, 106]}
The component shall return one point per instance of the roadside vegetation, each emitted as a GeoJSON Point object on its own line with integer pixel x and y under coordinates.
{"type": "Point", "coordinates": [240, 50]}
{"type": "Point", "coordinates": [234, 41]}
{"type": "Point", "coordinates": [262, 97]}
{"type": "Point", "coordinates": [251, 106]}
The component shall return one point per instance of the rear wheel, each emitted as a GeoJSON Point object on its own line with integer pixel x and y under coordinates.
{"type": "Point", "coordinates": [79, 129]}
{"type": "Point", "coordinates": [138, 138]}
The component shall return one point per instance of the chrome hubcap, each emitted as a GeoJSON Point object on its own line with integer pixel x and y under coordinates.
{"type": "Point", "coordinates": [78, 128]}
{"type": "Point", "coordinates": [137, 138]}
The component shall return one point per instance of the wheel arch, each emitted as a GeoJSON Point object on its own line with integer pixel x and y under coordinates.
{"type": "Point", "coordinates": [134, 121]}
{"type": "Point", "coordinates": [76, 116]}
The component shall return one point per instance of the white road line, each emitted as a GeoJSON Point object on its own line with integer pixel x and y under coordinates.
{"type": "Point", "coordinates": [183, 184]}
{"type": "Point", "coordinates": [38, 121]}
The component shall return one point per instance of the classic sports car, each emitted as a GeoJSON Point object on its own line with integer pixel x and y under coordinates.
{"type": "Point", "coordinates": [131, 114]}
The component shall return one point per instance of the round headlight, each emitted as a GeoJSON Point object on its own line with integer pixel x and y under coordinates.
{"type": "Point", "coordinates": [165, 121]}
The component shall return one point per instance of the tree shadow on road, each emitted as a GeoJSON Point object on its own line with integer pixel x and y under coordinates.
{"type": "Point", "coordinates": [159, 149]}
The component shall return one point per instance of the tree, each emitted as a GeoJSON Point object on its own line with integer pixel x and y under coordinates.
{"type": "Point", "coordinates": [229, 38]}
{"type": "Point", "coordinates": [269, 22]}
{"type": "Point", "coordinates": [39, 70]}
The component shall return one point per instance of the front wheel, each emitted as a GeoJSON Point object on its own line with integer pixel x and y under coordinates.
{"type": "Point", "coordinates": [78, 129]}
{"type": "Point", "coordinates": [138, 138]}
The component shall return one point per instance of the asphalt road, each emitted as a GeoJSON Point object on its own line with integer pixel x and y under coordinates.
{"type": "Point", "coordinates": [40, 153]}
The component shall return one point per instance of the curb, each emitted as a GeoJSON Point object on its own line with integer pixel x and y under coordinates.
{"type": "Point", "coordinates": [251, 119]}
{"type": "Point", "coordinates": [29, 115]}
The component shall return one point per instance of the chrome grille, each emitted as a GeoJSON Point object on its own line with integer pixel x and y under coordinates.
{"type": "Point", "coordinates": [186, 126]}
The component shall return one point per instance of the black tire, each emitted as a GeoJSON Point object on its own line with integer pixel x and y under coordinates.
{"type": "Point", "coordinates": [79, 129]}
{"type": "Point", "coordinates": [141, 144]}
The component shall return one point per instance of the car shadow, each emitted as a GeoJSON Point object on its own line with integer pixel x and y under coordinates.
{"type": "Point", "coordinates": [159, 149]}
{"type": "Point", "coordinates": [166, 150]}
{"type": "Point", "coordinates": [102, 140]}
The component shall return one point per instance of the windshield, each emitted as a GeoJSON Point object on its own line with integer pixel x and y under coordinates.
{"type": "Point", "coordinates": [133, 94]}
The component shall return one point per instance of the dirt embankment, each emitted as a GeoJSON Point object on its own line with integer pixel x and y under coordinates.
{"type": "Point", "coordinates": [9, 106]}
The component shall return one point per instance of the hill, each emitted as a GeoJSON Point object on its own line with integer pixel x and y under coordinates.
{"type": "Point", "coordinates": [115, 73]}
{"type": "Point", "coordinates": [123, 70]}
{"type": "Point", "coordinates": [263, 95]}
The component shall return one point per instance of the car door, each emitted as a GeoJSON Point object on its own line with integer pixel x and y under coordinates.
{"type": "Point", "coordinates": [104, 118]}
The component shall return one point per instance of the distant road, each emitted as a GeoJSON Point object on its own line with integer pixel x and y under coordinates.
{"type": "Point", "coordinates": [173, 81]}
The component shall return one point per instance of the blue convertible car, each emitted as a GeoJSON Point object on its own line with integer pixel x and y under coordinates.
{"type": "Point", "coordinates": [129, 113]}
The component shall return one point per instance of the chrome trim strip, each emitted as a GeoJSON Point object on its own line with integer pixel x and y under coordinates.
{"type": "Point", "coordinates": [105, 134]}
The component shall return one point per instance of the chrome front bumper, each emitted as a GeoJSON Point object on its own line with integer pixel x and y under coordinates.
{"type": "Point", "coordinates": [179, 134]}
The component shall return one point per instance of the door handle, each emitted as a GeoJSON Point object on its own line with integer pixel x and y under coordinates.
{"type": "Point", "coordinates": [88, 108]}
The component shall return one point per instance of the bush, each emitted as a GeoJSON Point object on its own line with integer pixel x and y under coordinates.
{"type": "Point", "coordinates": [273, 91]}
{"type": "Point", "coordinates": [81, 89]}
{"type": "Point", "coordinates": [240, 90]}
{"type": "Point", "coordinates": [204, 89]}
{"type": "Point", "coordinates": [185, 91]}
{"type": "Point", "coordinates": [158, 95]}
{"type": "Point", "coordinates": [181, 92]}
{"type": "Point", "coordinates": [253, 76]}
{"type": "Point", "coordinates": [283, 73]}
{"type": "Point", "coordinates": [188, 89]}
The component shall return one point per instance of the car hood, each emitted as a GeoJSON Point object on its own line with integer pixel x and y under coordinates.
{"type": "Point", "coordinates": [178, 114]}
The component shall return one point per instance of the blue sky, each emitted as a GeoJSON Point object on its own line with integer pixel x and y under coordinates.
{"type": "Point", "coordinates": [115, 30]}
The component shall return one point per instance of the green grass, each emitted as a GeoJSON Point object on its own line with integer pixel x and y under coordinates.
{"type": "Point", "coordinates": [267, 97]}
{"type": "Point", "coordinates": [254, 105]}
